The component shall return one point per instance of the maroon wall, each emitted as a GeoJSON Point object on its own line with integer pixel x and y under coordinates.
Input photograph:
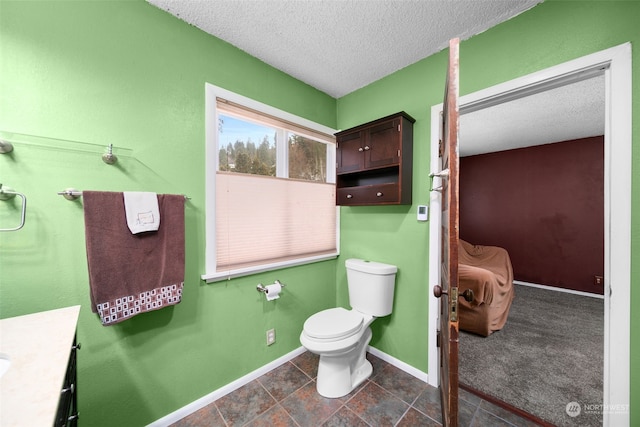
{"type": "Point", "coordinates": [545, 205]}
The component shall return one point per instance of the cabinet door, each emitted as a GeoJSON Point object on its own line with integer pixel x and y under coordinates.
{"type": "Point", "coordinates": [382, 146]}
{"type": "Point", "coordinates": [349, 154]}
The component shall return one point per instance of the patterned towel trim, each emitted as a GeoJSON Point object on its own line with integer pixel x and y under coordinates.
{"type": "Point", "coordinates": [119, 309]}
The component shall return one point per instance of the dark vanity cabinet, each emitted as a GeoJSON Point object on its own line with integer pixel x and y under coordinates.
{"type": "Point", "coordinates": [42, 347]}
{"type": "Point", "coordinates": [67, 414]}
{"type": "Point", "coordinates": [374, 162]}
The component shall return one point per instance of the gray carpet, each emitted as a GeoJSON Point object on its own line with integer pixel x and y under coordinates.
{"type": "Point", "coordinates": [549, 353]}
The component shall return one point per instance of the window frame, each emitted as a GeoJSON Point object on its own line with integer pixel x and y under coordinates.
{"type": "Point", "coordinates": [213, 92]}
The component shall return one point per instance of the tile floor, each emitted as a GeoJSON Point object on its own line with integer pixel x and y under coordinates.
{"type": "Point", "coordinates": [286, 396]}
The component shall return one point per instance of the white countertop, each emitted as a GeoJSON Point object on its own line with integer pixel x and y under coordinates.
{"type": "Point", "coordinates": [38, 346]}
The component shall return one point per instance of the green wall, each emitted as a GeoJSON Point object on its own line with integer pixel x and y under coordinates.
{"type": "Point", "coordinates": [549, 34]}
{"type": "Point", "coordinates": [126, 73]}
{"type": "Point", "coordinates": [129, 74]}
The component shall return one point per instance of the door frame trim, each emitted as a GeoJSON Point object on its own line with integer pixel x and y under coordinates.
{"type": "Point", "coordinates": [616, 65]}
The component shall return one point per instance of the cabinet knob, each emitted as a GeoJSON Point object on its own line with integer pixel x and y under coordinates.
{"type": "Point", "coordinates": [71, 389]}
{"type": "Point", "coordinates": [361, 149]}
{"type": "Point", "coordinates": [367, 148]}
{"type": "Point", "coordinates": [379, 194]}
{"type": "Point", "coordinates": [349, 196]}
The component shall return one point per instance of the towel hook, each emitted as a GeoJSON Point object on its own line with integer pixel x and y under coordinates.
{"type": "Point", "coordinates": [5, 147]}
{"type": "Point", "coordinates": [444, 174]}
{"type": "Point", "coordinates": [7, 193]}
{"type": "Point", "coordinates": [108, 157]}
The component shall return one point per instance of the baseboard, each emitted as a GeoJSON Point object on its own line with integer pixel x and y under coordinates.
{"type": "Point", "coordinates": [554, 288]}
{"type": "Point", "coordinates": [223, 391]}
{"type": "Point", "coordinates": [399, 364]}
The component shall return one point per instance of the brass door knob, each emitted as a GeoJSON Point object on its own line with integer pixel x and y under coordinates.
{"type": "Point", "coordinates": [468, 295]}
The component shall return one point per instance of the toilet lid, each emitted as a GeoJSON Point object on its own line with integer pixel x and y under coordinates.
{"type": "Point", "coordinates": [333, 323]}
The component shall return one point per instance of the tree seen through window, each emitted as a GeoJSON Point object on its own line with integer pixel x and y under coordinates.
{"type": "Point", "coordinates": [247, 147]}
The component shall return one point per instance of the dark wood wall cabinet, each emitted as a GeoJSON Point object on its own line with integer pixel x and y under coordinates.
{"type": "Point", "coordinates": [374, 162]}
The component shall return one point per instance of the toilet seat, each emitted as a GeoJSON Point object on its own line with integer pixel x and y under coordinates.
{"type": "Point", "coordinates": [333, 324]}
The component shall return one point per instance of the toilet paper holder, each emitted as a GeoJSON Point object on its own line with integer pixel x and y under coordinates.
{"type": "Point", "coordinates": [261, 288]}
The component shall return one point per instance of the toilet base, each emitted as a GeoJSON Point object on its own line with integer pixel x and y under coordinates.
{"type": "Point", "coordinates": [339, 375]}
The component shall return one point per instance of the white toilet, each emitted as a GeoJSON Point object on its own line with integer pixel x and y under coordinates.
{"type": "Point", "coordinates": [341, 336]}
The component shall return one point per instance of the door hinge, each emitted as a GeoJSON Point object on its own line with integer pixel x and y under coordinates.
{"type": "Point", "coordinates": [398, 153]}
{"type": "Point", "coordinates": [398, 128]}
{"type": "Point", "coordinates": [453, 304]}
{"type": "Point", "coordinates": [440, 149]}
{"type": "Point", "coordinates": [438, 339]}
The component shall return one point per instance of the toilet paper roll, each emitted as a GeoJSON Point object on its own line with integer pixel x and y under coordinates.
{"type": "Point", "coordinates": [273, 292]}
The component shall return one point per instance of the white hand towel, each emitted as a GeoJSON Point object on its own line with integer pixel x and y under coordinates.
{"type": "Point", "coordinates": [142, 211]}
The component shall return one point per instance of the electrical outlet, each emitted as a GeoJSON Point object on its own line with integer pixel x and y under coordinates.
{"type": "Point", "coordinates": [598, 280]}
{"type": "Point", "coordinates": [271, 336]}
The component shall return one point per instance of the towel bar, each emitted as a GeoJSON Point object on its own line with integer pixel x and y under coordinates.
{"type": "Point", "coordinates": [73, 194]}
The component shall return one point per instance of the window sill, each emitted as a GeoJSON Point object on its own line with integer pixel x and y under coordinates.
{"type": "Point", "coordinates": [232, 274]}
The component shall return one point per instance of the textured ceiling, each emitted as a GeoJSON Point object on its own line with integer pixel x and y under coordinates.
{"type": "Point", "coordinates": [568, 112]}
{"type": "Point", "coordinates": [338, 46]}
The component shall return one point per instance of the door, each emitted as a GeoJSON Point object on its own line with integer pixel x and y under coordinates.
{"type": "Point", "coordinates": [616, 62]}
{"type": "Point", "coordinates": [447, 290]}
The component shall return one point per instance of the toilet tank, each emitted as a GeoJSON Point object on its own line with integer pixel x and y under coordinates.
{"type": "Point", "coordinates": [371, 286]}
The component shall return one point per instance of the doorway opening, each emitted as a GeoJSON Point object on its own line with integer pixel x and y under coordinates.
{"type": "Point", "coordinates": [615, 64]}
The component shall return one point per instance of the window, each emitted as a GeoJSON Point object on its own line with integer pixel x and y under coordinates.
{"type": "Point", "coordinates": [270, 183]}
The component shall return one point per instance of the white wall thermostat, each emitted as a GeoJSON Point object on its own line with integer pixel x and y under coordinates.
{"type": "Point", "coordinates": [423, 213]}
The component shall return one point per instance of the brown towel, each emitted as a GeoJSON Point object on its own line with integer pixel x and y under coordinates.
{"type": "Point", "coordinates": [132, 273]}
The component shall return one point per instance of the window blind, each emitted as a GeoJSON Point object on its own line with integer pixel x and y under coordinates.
{"type": "Point", "coordinates": [262, 220]}
{"type": "Point", "coordinates": [245, 112]}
